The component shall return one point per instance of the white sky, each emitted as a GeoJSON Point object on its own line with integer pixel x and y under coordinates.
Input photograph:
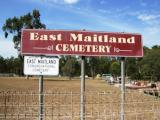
{"type": "Point", "coordinates": [7, 48]}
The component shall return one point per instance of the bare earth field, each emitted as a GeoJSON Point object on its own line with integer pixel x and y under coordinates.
{"type": "Point", "coordinates": [20, 83]}
{"type": "Point", "coordinates": [19, 100]}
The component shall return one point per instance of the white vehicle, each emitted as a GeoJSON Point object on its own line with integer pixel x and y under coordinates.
{"type": "Point", "coordinates": [108, 77]}
{"type": "Point", "coordinates": [105, 76]}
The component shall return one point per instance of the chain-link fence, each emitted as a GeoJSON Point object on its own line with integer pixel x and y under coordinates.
{"type": "Point", "coordinates": [139, 105]}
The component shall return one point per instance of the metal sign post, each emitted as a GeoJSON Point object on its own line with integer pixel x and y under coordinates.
{"type": "Point", "coordinates": [41, 97]}
{"type": "Point", "coordinates": [122, 87]}
{"type": "Point", "coordinates": [82, 108]}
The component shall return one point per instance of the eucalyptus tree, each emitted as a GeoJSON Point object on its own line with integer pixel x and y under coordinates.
{"type": "Point", "coordinates": [15, 25]}
{"type": "Point", "coordinates": [150, 63]}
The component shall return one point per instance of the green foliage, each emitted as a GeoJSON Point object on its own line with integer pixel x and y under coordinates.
{"type": "Point", "coordinates": [62, 63]}
{"type": "Point", "coordinates": [132, 68]}
{"type": "Point", "coordinates": [15, 25]}
{"type": "Point", "coordinates": [151, 63]}
{"type": "Point", "coordinates": [97, 65]}
{"type": "Point", "coordinates": [11, 65]}
{"type": "Point", "coordinates": [147, 67]}
{"type": "Point", "coordinates": [115, 68]}
{"type": "Point", "coordinates": [2, 65]}
{"type": "Point", "coordinates": [70, 67]}
{"type": "Point", "coordinates": [93, 63]}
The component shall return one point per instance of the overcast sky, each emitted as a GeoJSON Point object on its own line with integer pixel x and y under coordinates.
{"type": "Point", "coordinates": [133, 16]}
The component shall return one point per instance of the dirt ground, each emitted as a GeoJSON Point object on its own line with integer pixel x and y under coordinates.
{"type": "Point", "coordinates": [62, 100]}
{"type": "Point", "coordinates": [21, 83]}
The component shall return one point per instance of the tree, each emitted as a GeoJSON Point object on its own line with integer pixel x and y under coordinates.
{"type": "Point", "coordinates": [132, 68]}
{"type": "Point", "coordinates": [9, 63]}
{"type": "Point", "coordinates": [146, 50]}
{"type": "Point", "coordinates": [115, 68]}
{"type": "Point", "coordinates": [150, 63]}
{"type": "Point", "coordinates": [97, 65]}
{"type": "Point", "coordinates": [93, 63]}
{"type": "Point", "coordinates": [17, 66]}
{"type": "Point", "coordinates": [2, 65]}
{"type": "Point", "coordinates": [15, 25]}
{"type": "Point", "coordinates": [62, 63]}
{"type": "Point", "coordinates": [70, 66]}
{"type": "Point", "coordinates": [104, 65]}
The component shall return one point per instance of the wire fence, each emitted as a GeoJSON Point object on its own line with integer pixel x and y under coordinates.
{"type": "Point", "coordinates": [139, 105]}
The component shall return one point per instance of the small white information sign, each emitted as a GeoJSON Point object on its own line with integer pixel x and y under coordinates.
{"type": "Point", "coordinates": [37, 65]}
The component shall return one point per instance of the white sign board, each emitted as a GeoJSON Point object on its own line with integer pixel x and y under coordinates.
{"type": "Point", "coordinates": [37, 65]}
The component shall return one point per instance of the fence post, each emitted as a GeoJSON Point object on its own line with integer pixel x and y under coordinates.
{"type": "Point", "coordinates": [82, 107]}
{"type": "Point", "coordinates": [5, 104]}
{"type": "Point", "coordinates": [41, 97]}
{"type": "Point", "coordinates": [122, 87]}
